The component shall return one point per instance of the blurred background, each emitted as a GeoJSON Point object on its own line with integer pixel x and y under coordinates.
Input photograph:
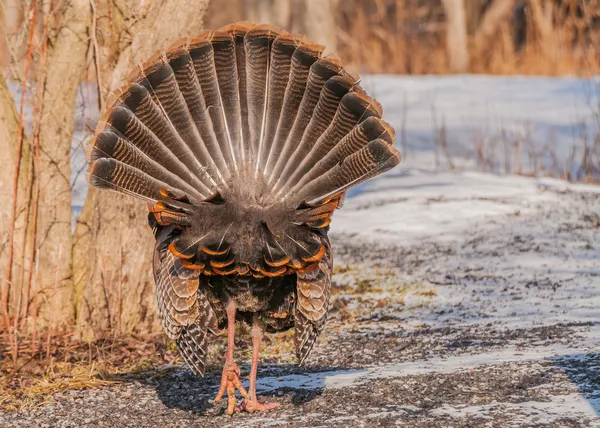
{"type": "Point", "coordinates": [545, 37]}
{"type": "Point", "coordinates": [496, 86]}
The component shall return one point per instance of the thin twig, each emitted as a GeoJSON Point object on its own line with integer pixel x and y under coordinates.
{"type": "Point", "coordinates": [96, 55]}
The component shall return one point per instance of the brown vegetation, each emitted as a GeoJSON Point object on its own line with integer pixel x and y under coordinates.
{"type": "Point", "coordinates": [66, 365]}
{"type": "Point", "coordinates": [553, 37]}
{"type": "Point", "coordinates": [97, 280]}
{"type": "Point", "coordinates": [502, 37]}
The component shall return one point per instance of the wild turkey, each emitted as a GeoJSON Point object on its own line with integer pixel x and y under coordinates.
{"type": "Point", "coordinates": [243, 141]}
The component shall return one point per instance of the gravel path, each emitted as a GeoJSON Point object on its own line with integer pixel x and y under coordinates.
{"type": "Point", "coordinates": [499, 329]}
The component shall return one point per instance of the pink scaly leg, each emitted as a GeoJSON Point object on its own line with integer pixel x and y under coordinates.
{"type": "Point", "coordinates": [230, 379]}
{"type": "Point", "coordinates": [250, 403]}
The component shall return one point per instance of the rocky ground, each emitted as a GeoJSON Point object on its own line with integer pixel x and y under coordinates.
{"type": "Point", "coordinates": [499, 327]}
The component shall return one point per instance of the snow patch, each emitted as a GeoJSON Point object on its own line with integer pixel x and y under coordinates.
{"type": "Point", "coordinates": [401, 207]}
{"type": "Point", "coordinates": [345, 378]}
{"type": "Point", "coordinates": [529, 412]}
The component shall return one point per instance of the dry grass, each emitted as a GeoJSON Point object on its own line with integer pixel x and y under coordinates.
{"type": "Point", "coordinates": [43, 373]}
{"type": "Point", "coordinates": [393, 37]}
{"type": "Point", "coordinates": [518, 153]}
{"type": "Point", "coordinates": [408, 37]}
{"type": "Point", "coordinates": [38, 375]}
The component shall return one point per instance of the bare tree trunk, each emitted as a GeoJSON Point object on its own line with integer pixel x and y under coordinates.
{"type": "Point", "coordinates": [274, 12]}
{"type": "Point", "coordinates": [318, 22]}
{"type": "Point", "coordinates": [498, 11]}
{"type": "Point", "coordinates": [543, 17]}
{"type": "Point", "coordinates": [113, 244]}
{"type": "Point", "coordinates": [457, 46]}
{"type": "Point", "coordinates": [474, 13]}
{"type": "Point", "coordinates": [491, 21]}
{"type": "Point", "coordinates": [9, 136]}
{"type": "Point", "coordinates": [11, 18]}
{"type": "Point", "coordinates": [315, 18]}
{"type": "Point", "coordinates": [66, 64]}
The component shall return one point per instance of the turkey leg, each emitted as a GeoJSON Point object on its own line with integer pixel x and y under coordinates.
{"type": "Point", "coordinates": [230, 379]}
{"type": "Point", "coordinates": [250, 403]}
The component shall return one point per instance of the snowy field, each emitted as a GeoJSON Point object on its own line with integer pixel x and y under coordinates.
{"type": "Point", "coordinates": [461, 299]}
{"type": "Point", "coordinates": [542, 112]}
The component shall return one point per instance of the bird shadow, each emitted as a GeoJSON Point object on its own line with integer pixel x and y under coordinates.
{"type": "Point", "coordinates": [182, 390]}
{"type": "Point", "coordinates": [582, 371]}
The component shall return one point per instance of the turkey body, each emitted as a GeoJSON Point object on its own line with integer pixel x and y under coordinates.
{"type": "Point", "coordinates": [270, 300]}
{"type": "Point", "coordinates": [243, 141]}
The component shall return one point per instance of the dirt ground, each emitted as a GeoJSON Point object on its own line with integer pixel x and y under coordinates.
{"type": "Point", "coordinates": [499, 329]}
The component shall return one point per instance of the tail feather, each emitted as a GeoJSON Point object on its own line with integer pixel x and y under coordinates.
{"type": "Point", "coordinates": [138, 100]}
{"type": "Point", "coordinates": [258, 44]}
{"type": "Point", "coordinates": [302, 59]}
{"type": "Point", "coordinates": [224, 55]}
{"type": "Point", "coordinates": [370, 129]}
{"type": "Point", "coordinates": [333, 92]}
{"type": "Point", "coordinates": [353, 109]}
{"type": "Point", "coordinates": [238, 32]}
{"type": "Point", "coordinates": [325, 111]}
{"type": "Point", "coordinates": [114, 175]}
{"type": "Point", "coordinates": [122, 121]}
{"type": "Point", "coordinates": [182, 65]}
{"type": "Point", "coordinates": [161, 83]}
{"type": "Point", "coordinates": [320, 72]}
{"type": "Point", "coordinates": [110, 145]}
{"type": "Point", "coordinates": [281, 62]}
{"type": "Point", "coordinates": [373, 159]}
{"type": "Point", "coordinates": [202, 53]}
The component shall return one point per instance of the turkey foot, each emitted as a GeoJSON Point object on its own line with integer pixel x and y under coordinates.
{"type": "Point", "coordinates": [230, 380]}
{"type": "Point", "coordinates": [252, 405]}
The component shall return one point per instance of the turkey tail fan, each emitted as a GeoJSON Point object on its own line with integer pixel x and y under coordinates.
{"type": "Point", "coordinates": [245, 110]}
